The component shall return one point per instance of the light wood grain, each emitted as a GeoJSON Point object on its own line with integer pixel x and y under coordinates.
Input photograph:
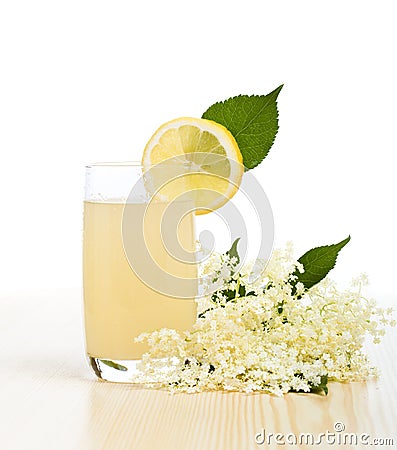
{"type": "Point", "coordinates": [50, 400]}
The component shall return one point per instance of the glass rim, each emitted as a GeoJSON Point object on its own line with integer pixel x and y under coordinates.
{"type": "Point", "coordinates": [115, 164]}
{"type": "Point", "coordinates": [137, 164]}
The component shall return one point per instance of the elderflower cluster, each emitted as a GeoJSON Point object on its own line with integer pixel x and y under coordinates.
{"type": "Point", "coordinates": [276, 338]}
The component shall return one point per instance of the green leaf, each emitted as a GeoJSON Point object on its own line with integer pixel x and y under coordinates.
{"type": "Point", "coordinates": [322, 387]}
{"type": "Point", "coordinates": [317, 262]}
{"type": "Point", "coordinates": [227, 294]}
{"type": "Point", "coordinates": [233, 252]}
{"type": "Point", "coordinates": [231, 294]}
{"type": "Point", "coordinates": [252, 120]}
{"type": "Point", "coordinates": [113, 365]}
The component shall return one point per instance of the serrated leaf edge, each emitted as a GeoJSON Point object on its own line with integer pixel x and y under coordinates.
{"type": "Point", "coordinates": [339, 247]}
{"type": "Point", "coordinates": [222, 102]}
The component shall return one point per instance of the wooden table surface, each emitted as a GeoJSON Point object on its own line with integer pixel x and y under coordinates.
{"type": "Point", "coordinates": [51, 401]}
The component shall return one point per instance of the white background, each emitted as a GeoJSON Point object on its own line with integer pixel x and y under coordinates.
{"type": "Point", "coordinates": [85, 81]}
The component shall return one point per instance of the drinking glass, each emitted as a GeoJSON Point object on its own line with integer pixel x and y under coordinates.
{"type": "Point", "coordinates": [138, 265]}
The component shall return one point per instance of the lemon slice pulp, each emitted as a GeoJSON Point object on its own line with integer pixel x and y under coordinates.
{"type": "Point", "coordinates": [208, 161]}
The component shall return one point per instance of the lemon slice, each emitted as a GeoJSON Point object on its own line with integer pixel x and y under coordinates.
{"type": "Point", "coordinates": [200, 157]}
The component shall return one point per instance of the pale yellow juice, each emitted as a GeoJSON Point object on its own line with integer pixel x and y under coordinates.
{"type": "Point", "coordinates": [118, 304]}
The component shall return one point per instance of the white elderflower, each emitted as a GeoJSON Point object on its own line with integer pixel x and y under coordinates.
{"type": "Point", "coordinates": [275, 338]}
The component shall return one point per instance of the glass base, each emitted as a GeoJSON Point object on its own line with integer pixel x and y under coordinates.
{"type": "Point", "coordinates": [117, 371]}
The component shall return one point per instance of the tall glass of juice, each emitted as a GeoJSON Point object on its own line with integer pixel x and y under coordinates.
{"type": "Point", "coordinates": [137, 277]}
